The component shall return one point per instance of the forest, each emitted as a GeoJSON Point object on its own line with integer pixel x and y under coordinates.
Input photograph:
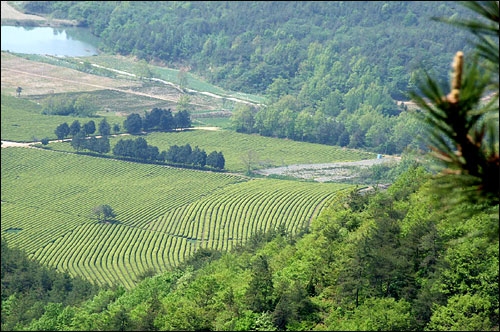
{"type": "Point", "coordinates": [421, 255]}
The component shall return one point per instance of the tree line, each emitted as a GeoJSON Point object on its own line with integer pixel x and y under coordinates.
{"type": "Point", "coordinates": [140, 149]}
{"type": "Point", "coordinates": [89, 128]}
{"type": "Point", "coordinates": [157, 119]}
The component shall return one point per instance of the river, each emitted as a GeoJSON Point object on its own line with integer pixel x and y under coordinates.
{"type": "Point", "coordinates": [71, 41]}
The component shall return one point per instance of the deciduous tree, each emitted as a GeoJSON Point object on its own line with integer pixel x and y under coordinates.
{"type": "Point", "coordinates": [62, 130]}
{"type": "Point", "coordinates": [103, 212]}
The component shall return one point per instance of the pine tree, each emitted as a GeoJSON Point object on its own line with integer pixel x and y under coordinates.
{"type": "Point", "coordinates": [463, 133]}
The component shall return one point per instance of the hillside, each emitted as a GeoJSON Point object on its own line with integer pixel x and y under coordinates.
{"type": "Point", "coordinates": [245, 46]}
{"type": "Point", "coordinates": [164, 214]}
{"type": "Point", "coordinates": [392, 260]}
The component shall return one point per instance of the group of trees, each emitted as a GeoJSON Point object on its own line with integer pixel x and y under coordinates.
{"type": "Point", "coordinates": [99, 145]}
{"type": "Point", "coordinates": [139, 149]}
{"type": "Point", "coordinates": [80, 133]}
{"type": "Point", "coordinates": [81, 105]}
{"type": "Point", "coordinates": [339, 102]}
{"type": "Point", "coordinates": [89, 128]}
{"type": "Point", "coordinates": [186, 155]}
{"type": "Point", "coordinates": [157, 119]}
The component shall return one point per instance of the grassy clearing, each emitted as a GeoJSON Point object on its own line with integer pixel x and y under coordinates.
{"type": "Point", "coordinates": [21, 120]}
{"type": "Point", "coordinates": [221, 122]}
{"type": "Point", "coordinates": [117, 102]}
{"type": "Point", "coordinates": [163, 214]}
{"type": "Point", "coordinates": [266, 151]}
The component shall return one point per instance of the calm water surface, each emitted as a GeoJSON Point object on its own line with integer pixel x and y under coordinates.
{"type": "Point", "coordinates": [47, 40]}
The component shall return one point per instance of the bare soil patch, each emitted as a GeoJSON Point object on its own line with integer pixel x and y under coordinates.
{"type": "Point", "coordinates": [41, 78]}
{"type": "Point", "coordinates": [9, 12]}
{"type": "Point", "coordinates": [325, 172]}
{"type": "Point", "coordinates": [11, 15]}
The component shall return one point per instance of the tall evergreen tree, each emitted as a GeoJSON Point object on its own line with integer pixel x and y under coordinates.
{"type": "Point", "coordinates": [89, 128]}
{"type": "Point", "coordinates": [104, 127]}
{"type": "Point", "coordinates": [75, 128]}
{"type": "Point", "coordinates": [62, 130]}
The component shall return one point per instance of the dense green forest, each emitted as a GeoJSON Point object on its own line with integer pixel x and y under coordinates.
{"type": "Point", "coordinates": [332, 71]}
{"type": "Point", "coordinates": [247, 45]}
{"type": "Point", "coordinates": [30, 289]}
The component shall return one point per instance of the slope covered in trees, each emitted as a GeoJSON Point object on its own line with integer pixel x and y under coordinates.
{"type": "Point", "coordinates": [28, 288]}
{"type": "Point", "coordinates": [247, 45]}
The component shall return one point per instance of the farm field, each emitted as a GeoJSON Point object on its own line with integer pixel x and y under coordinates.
{"type": "Point", "coordinates": [133, 66]}
{"type": "Point", "coordinates": [163, 214]}
{"type": "Point", "coordinates": [21, 120]}
{"type": "Point", "coordinates": [267, 151]}
{"type": "Point", "coordinates": [41, 78]}
{"type": "Point", "coordinates": [221, 122]}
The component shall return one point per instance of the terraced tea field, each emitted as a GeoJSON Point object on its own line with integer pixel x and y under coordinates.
{"type": "Point", "coordinates": [163, 214]}
{"type": "Point", "coordinates": [266, 151]}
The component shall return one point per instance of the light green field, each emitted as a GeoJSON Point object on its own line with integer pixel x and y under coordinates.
{"type": "Point", "coordinates": [221, 122]}
{"type": "Point", "coordinates": [21, 120]}
{"type": "Point", "coordinates": [163, 214]}
{"type": "Point", "coordinates": [267, 151]}
{"type": "Point", "coordinates": [116, 102]}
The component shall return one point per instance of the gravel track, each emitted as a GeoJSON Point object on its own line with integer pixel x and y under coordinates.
{"type": "Point", "coordinates": [325, 172]}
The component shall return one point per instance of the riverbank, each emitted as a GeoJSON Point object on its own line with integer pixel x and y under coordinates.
{"type": "Point", "coordinates": [14, 17]}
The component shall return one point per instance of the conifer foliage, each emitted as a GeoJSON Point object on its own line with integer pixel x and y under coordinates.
{"type": "Point", "coordinates": [463, 133]}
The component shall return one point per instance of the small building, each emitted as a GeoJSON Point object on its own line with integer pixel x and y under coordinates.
{"type": "Point", "coordinates": [379, 156]}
